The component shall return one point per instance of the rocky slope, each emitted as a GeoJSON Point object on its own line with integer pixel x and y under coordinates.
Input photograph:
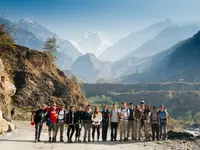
{"type": "Point", "coordinates": [37, 79]}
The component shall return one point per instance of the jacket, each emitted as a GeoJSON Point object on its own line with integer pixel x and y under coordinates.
{"type": "Point", "coordinates": [40, 116]}
{"type": "Point", "coordinates": [71, 118]}
{"type": "Point", "coordinates": [79, 117]}
{"type": "Point", "coordinates": [87, 117]}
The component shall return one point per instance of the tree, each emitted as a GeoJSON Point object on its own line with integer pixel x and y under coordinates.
{"type": "Point", "coordinates": [197, 116]}
{"type": "Point", "coordinates": [50, 46]}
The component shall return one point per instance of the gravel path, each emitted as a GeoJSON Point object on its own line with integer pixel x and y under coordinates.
{"type": "Point", "coordinates": [23, 137]}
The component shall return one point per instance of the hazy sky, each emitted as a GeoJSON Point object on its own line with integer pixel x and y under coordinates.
{"type": "Point", "coordinates": [115, 18]}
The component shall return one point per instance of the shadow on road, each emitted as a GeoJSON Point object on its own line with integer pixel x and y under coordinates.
{"type": "Point", "coordinates": [92, 143]}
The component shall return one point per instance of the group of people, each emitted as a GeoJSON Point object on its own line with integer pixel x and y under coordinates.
{"type": "Point", "coordinates": [130, 120]}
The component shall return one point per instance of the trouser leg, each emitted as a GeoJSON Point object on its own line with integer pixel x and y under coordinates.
{"type": "Point", "coordinates": [98, 132]}
{"type": "Point", "coordinates": [61, 130]}
{"type": "Point", "coordinates": [89, 131]}
{"type": "Point", "coordinates": [115, 128]}
{"type": "Point", "coordinates": [85, 131]}
{"type": "Point", "coordinates": [68, 132]}
{"type": "Point", "coordinates": [40, 130]}
{"type": "Point", "coordinates": [128, 128]}
{"type": "Point", "coordinates": [36, 131]}
{"type": "Point", "coordinates": [93, 131]}
{"type": "Point", "coordinates": [72, 133]}
{"type": "Point", "coordinates": [153, 131]}
{"type": "Point", "coordinates": [161, 127]}
{"type": "Point", "coordinates": [125, 129]}
{"type": "Point", "coordinates": [112, 129]}
{"type": "Point", "coordinates": [135, 129]}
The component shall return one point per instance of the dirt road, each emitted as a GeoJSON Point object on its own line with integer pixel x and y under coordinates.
{"type": "Point", "coordinates": [23, 137]}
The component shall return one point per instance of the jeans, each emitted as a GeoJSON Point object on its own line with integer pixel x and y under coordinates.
{"type": "Point", "coordinates": [123, 128]}
{"type": "Point", "coordinates": [163, 130]}
{"type": "Point", "coordinates": [94, 127]}
{"type": "Point", "coordinates": [71, 129]}
{"type": "Point", "coordinates": [137, 129]}
{"type": "Point", "coordinates": [87, 128]}
{"type": "Point", "coordinates": [155, 129]}
{"type": "Point", "coordinates": [78, 130]}
{"type": "Point", "coordinates": [104, 130]}
{"type": "Point", "coordinates": [130, 127]}
{"type": "Point", "coordinates": [114, 126]}
{"type": "Point", "coordinates": [38, 129]}
{"type": "Point", "coordinates": [60, 125]}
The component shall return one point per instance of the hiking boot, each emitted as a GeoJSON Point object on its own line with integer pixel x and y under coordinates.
{"type": "Point", "coordinates": [54, 139]}
{"type": "Point", "coordinates": [39, 140]}
{"type": "Point", "coordinates": [79, 141]}
{"type": "Point", "coordinates": [89, 140]}
{"type": "Point", "coordinates": [61, 140]}
{"type": "Point", "coordinates": [36, 141]}
{"type": "Point", "coordinates": [49, 139]}
{"type": "Point", "coordinates": [84, 140]}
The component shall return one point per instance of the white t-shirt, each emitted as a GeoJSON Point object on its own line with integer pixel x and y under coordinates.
{"type": "Point", "coordinates": [124, 113]}
{"type": "Point", "coordinates": [114, 116]}
{"type": "Point", "coordinates": [61, 115]}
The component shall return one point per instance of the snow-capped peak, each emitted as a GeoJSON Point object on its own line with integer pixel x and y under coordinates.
{"type": "Point", "coordinates": [92, 42]}
{"type": "Point", "coordinates": [27, 20]}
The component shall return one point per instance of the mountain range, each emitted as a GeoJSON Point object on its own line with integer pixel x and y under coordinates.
{"type": "Point", "coordinates": [136, 39]}
{"type": "Point", "coordinates": [181, 61]}
{"type": "Point", "coordinates": [137, 57]}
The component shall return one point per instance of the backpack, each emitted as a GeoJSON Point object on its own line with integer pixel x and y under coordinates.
{"type": "Point", "coordinates": [162, 115]}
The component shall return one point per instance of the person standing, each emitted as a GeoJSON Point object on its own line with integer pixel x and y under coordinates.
{"type": "Point", "coordinates": [130, 122]}
{"type": "Point", "coordinates": [124, 115]}
{"type": "Point", "coordinates": [105, 122]}
{"type": "Point", "coordinates": [96, 122]}
{"type": "Point", "coordinates": [38, 118]}
{"type": "Point", "coordinates": [154, 120]}
{"type": "Point", "coordinates": [137, 123]}
{"type": "Point", "coordinates": [146, 120]}
{"type": "Point", "coordinates": [61, 119]}
{"type": "Point", "coordinates": [142, 107]}
{"type": "Point", "coordinates": [163, 122]}
{"type": "Point", "coordinates": [71, 123]}
{"type": "Point", "coordinates": [114, 119]}
{"type": "Point", "coordinates": [52, 122]}
{"type": "Point", "coordinates": [87, 123]}
{"type": "Point", "coordinates": [12, 113]}
{"type": "Point", "coordinates": [79, 122]}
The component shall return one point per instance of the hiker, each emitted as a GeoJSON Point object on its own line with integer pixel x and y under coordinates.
{"type": "Point", "coordinates": [124, 115]}
{"type": "Point", "coordinates": [146, 120]}
{"type": "Point", "coordinates": [137, 122]}
{"type": "Point", "coordinates": [114, 119]}
{"type": "Point", "coordinates": [12, 113]}
{"type": "Point", "coordinates": [163, 121]}
{"type": "Point", "coordinates": [52, 122]}
{"type": "Point", "coordinates": [130, 122]}
{"type": "Point", "coordinates": [105, 122]}
{"type": "Point", "coordinates": [142, 106]}
{"type": "Point", "coordinates": [61, 119]}
{"type": "Point", "coordinates": [154, 121]}
{"type": "Point", "coordinates": [87, 123]}
{"type": "Point", "coordinates": [38, 118]}
{"type": "Point", "coordinates": [96, 123]}
{"type": "Point", "coordinates": [79, 122]}
{"type": "Point", "coordinates": [71, 123]}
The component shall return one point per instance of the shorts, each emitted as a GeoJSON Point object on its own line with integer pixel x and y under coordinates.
{"type": "Point", "coordinates": [52, 126]}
